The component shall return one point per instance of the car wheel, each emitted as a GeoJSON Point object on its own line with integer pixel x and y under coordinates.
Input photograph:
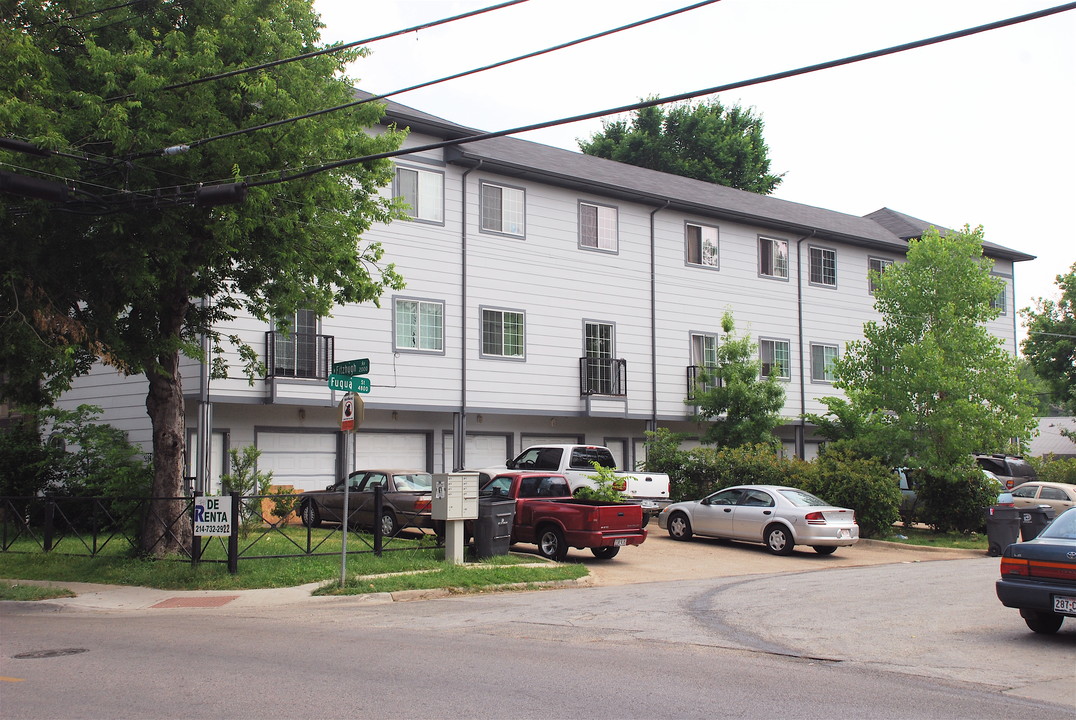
{"type": "Point", "coordinates": [679, 527]}
{"type": "Point", "coordinates": [825, 549]}
{"type": "Point", "coordinates": [1041, 621]}
{"type": "Point", "coordinates": [389, 526]}
{"type": "Point", "coordinates": [551, 544]}
{"type": "Point", "coordinates": [779, 540]}
{"type": "Point", "coordinates": [605, 553]}
{"type": "Point", "coordinates": [310, 515]}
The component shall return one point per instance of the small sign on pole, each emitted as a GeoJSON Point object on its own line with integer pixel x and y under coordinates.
{"type": "Point", "coordinates": [347, 413]}
{"type": "Point", "coordinates": [212, 516]}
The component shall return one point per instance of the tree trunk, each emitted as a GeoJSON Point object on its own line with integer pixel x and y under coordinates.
{"type": "Point", "coordinates": [167, 529]}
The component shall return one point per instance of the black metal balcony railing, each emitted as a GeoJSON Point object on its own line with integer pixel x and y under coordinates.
{"type": "Point", "coordinates": [700, 379]}
{"type": "Point", "coordinates": [298, 355]}
{"type": "Point", "coordinates": [603, 376]}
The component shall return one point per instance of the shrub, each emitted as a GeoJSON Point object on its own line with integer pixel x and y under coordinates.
{"type": "Point", "coordinates": [845, 479]}
{"type": "Point", "coordinates": [1059, 470]}
{"type": "Point", "coordinates": [608, 488]}
{"type": "Point", "coordinates": [246, 480]}
{"type": "Point", "coordinates": [955, 501]}
{"type": "Point", "coordinates": [701, 471]}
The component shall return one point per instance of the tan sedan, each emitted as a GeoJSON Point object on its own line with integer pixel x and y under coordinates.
{"type": "Point", "coordinates": [1059, 496]}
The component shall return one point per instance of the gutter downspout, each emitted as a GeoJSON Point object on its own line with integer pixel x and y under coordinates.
{"type": "Point", "coordinates": [459, 444]}
{"type": "Point", "coordinates": [652, 424]}
{"type": "Point", "coordinates": [802, 428]}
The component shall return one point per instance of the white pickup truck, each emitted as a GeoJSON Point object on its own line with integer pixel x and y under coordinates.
{"type": "Point", "coordinates": [575, 462]}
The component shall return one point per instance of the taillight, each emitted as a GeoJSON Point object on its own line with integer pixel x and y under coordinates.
{"type": "Point", "coordinates": [423, 503]}
{"type": "Point", "coordinates": [815, 518]}
{"type": "Point", "coordinates": [1014, 566]}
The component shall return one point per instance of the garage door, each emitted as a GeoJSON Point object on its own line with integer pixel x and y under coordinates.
{"type": "Point", "coordinates": [305, 460]}
{"type": "Point", "coordinates": [391, 450]}
{"type": "Point", "coordinates": [528, 440]}
{"type": "Point", "coordinates": [482, 451]}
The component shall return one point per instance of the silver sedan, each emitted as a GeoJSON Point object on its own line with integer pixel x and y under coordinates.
{"type": "Point", "coordinates": [778, 517]}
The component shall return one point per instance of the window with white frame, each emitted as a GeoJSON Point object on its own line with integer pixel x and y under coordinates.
{"type": "Point", "coordinates": [773, 258]}
{"type": "Point", "coordinates": [502, 333]}
{"type": "Point", "coordinates": [876, 265]}
{"type": "Point", "coordinates": [598, 349]}
{"type": "Point", "coordinates": [419, 325]}
{"type": "Point", "coordinates": [704, 350]}
{"type": "Point", "coordinates": [597, 226]}
{"type": "Point", "coordinates": [998, 302]}
{"type": "Point", "coordinates": [775, 358]}
{"type": "Point", "coordinates": [423, 191]}
{"type": "Point", "coordinates": [503, 209]}
{"type": "Point", "coordinates": [822, 359]}
{"type": "Point", "coordinates": [701, 241]}
{"type": "Point", "coordinates": [295, 345]}
{"type": "Point", "coordinates": [823, 266]}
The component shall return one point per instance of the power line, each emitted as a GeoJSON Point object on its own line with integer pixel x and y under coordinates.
{"type": "Point", "coordinates": [175, 149]}
{"type": "Point", "coordinates": [683, 96]}
{"type": "Point", "coordinates": [325, 51]}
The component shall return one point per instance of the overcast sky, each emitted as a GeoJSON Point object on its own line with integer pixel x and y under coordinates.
{"type": "Point", "coordinates": [976, 131]}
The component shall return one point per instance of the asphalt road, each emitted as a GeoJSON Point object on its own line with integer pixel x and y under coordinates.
{"type": "Point", "coordinates": [900, 640]}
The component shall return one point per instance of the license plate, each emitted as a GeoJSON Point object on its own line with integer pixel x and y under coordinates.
{"type": "Point", "coordinates": [844, 534]}
{"type": "Point", "coordinates": [1065, 604]}
{"type": "Point", "coordinates": [621, 542]}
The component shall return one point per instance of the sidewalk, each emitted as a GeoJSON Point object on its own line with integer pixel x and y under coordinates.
{"type": "Point", "coordinates": [658, 559]}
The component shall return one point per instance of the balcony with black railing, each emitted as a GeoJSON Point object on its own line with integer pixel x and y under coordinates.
{"type": "Point", "coordinates": [603, 376]}
{"type": "Point", "coordinates": [298, 355]}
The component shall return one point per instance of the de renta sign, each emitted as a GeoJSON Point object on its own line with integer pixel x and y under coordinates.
{"type": "Point", "coordinates": [212, 515]}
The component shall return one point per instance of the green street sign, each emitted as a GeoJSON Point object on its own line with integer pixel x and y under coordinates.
{"type": "Point", "coordinates": [347, 383]}
{"type": "Point", "coordinates": [352, 367]}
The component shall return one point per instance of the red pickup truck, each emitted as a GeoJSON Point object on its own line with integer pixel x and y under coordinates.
{"type": "Point", "coordinates": [548, 516]}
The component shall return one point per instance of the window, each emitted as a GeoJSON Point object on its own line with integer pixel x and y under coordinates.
{"type": "Point", "coordinates": [502, 209]}
{"type": "Point", "coordinates": [419, 325]}
{"type": "Point", "coordinates": [597, 226]}
{"type": "Point", "coordinates": [295, 346]}
{"type": "Point", "coordinates": [601, 376]}
{"type": "Point", "coordinates": [876, 265]}
{"type": "Point", "coordinates": [704, 350]}
{"type": "Point", "coordinates": [773, 258]}
{"type": "Point", "coordinates": [822, 357]}
{"type": "Point", "coordinates": [823, 262]}
{"type": "Point", "coordinates": [775, 358]}
{"type": "Point", "coordinates": [701, 243]}
{"type": "Point", "coordinates": [998, 303]}
{"type": "Point", "coordinates": [423, 190]}
{"type": "Point", "coordinates": [502, 333]}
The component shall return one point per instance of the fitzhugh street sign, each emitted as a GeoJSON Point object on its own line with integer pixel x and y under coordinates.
{"type": "Point", "coordinates": [352, 367]}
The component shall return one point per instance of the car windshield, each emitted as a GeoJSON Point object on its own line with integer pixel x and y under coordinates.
{"type": "Point", "coordinates": [799, 498]}
{"type": "Point", "coordinates": [1063, 527]}
{"type": "Point", "coordinates": [413, 481]}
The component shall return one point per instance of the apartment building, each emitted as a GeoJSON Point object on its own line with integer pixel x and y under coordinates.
{"type": "Point", "coordinates": [551, 297]}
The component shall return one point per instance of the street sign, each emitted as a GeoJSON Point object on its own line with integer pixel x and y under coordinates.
{"type": "Point", "coordinates": [346, 383]}
{"type": "Point", "coordinates": [352, 367]}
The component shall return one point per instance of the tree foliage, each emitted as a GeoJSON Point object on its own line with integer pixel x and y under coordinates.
{"type": "Point", "coordinates": [939, 385]}
{"type": "Point", "coordinates": [119, 272]}
{"type": "Point", "coordinates": [708, 141]}
{"type": "Point", "coordinates": [741, 407]}
{"type": "Point", "coordinates": [1050, 345]}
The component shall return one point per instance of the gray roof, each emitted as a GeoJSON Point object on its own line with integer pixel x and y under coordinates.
{"type": "Point", "coordinates": [883, 229]}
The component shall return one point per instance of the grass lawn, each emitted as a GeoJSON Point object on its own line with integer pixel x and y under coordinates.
{"type": "Point", "coordinates": [117, 566]}
{"type": "Point", "coordinates": [917, 535]}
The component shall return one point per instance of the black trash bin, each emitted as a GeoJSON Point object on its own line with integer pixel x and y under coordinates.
{"type": "Point", "coordinates": [1033, 520]}
{"type": "Point", "coordinates": [1002, 527]}
{"type": "Point", "coordinates": [493, 528]}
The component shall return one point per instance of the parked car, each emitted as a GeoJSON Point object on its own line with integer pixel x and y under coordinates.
{"type": "Point", "coordinates": [1012, 470]}
{"type": "Point", "coordinates": [1038, 577]}
{"type": "Point", "coordinates": [779, 517]}
{"type": "Point", "coordinates": [1059, 496]}
{"type": "Point", "coordinates": [406, 500]}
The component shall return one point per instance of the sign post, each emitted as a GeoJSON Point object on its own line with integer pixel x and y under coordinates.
{"type": "Point", "coordinates": [345, 377]}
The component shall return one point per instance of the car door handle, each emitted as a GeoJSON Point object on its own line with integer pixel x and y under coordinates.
{"type": "Point", "coordinates": [766, 512]}
{"type": "Point", "coordinates": [728, 509]}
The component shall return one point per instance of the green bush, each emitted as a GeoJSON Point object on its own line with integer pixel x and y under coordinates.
{"type": "Point", "coordinates": [1059, 470]}
{"type": "Point", "coordinates": [608, 488]}
{"type": "Point", "coordinates": [955, 501]}
{"type": "Point", "coordinates": [248, 481]}
{"type": "Point", "coordinates": [845, 479]}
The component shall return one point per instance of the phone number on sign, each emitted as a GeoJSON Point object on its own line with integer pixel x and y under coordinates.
{"type": "Point", "coordinates": [219, 529]}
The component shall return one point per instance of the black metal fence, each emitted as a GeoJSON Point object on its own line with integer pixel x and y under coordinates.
{"type": "Point", "coordinates": [94, 526]}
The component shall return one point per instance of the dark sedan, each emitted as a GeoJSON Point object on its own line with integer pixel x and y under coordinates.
{"type": "Point", "coordinates": [406, 500]}
{"type": "Point", "coordinates": [1038, 577]}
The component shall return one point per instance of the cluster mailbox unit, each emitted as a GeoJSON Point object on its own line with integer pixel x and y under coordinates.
{"type": "Point", "coordinates": [454, 500]}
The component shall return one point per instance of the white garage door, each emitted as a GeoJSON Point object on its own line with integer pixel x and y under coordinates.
{"type": "Point", "coordinates": [391, 450]}
{"type": "Point", "coordinates": [528, 440]}
{"type": "Point", "coordinates": [305, 460]}
{"type": "Point", "coordinates": [482, 451]}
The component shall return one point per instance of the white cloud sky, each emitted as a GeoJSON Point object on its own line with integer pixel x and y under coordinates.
{"type": "Point", "coordinates": [978, 131]}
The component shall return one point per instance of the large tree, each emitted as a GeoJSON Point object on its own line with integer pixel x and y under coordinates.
{"type": "Point", "coordinates": [708, 141]}
{"type": "Point", "coordinates": [741, 406]}
{"type": "Point", "coordinates": [1050, 346]}
{"type": "Point", "coordinates": [124, 265]}
{"type": "Point", "coordinates": [936, 383]}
